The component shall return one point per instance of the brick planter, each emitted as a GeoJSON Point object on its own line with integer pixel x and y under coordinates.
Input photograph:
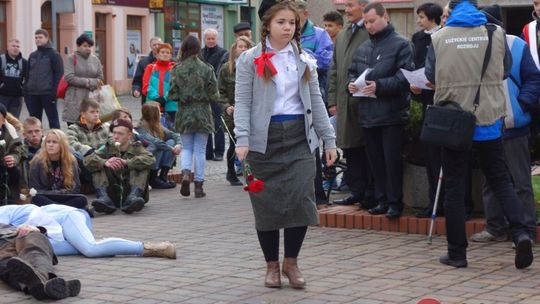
{"type": "Point", "coordinates": [351, 217]}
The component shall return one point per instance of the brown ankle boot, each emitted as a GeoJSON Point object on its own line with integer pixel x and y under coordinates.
{"type": "Point", "coordinates": [184, 188]}
{"type": "Point", "coordinates": [273, 279]}
{"type": "Point", "coordinates": [199, 192]}
{"type": "Point", "coordinates": [161, 250]}
{"type": "Point", "coordinates": [291, 271]}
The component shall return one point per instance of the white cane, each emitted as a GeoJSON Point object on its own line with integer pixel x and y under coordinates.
{"type": "Point", "coordinates": [434, 212]}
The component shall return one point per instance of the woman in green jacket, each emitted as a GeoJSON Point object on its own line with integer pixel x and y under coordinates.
{"type": "Point", "coordinates": [193, 86]}
{"type": "Point", "coordinates": [226, 80]}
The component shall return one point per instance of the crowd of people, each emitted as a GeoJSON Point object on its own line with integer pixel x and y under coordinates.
{"type": "Point", "coordinates": [275, 100]}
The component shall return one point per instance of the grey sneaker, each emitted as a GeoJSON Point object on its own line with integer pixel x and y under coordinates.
{"type": "Point", "coordinates": [485, 237]}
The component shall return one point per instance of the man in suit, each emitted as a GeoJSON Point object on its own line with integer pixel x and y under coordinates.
{"type": "Point", "coordinates": [350, 138]}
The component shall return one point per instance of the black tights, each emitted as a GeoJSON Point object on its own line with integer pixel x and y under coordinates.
{"type": "Point", "coordinates": [293, 239]}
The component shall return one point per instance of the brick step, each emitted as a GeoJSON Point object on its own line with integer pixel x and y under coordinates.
{"type": "Point", "coordinates": [352, 218]}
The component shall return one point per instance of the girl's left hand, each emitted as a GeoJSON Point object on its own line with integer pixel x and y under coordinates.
{"type": "Point", "coordinates": [331, 156]}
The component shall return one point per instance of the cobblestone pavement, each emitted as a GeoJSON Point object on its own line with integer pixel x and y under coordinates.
{"type": "Point", "coordinates": [219, 261]}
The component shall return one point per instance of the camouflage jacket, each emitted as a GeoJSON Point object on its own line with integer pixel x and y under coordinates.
{"type": "Point", "coordinates": [83, 140]}
{"type": "Point", "coordinates": [194, 87]}
{"type": "Point", "coordinates": [137, 157]}
{"type": "Point", "coordinates": [226, 82]}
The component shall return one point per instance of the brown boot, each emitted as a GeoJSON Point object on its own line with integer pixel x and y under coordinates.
{"type": "Point", "coordinates": [160, 250]}
{"type": "Point", "coordinates": [273, 279]}
{"type": "Point", "coordinates": [291, 271]}
{"type": "Point", "coordinates": [199, 192]}
{"type": "Point", "coordinates": [184, 188]}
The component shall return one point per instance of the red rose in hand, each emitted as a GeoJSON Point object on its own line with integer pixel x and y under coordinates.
{"type": "Point", "coordinates": [255, 186]}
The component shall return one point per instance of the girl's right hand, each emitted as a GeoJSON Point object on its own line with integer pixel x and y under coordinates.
{"type": "Point", "coordinates": [241, 152]}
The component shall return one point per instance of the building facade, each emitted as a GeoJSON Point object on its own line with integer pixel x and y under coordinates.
{"type": "Point", "coordinates": [182, 18]}
{"type": "Point", "coordinates": [121, 28]}
{"type": "Point", "coordinates": [402, 13]}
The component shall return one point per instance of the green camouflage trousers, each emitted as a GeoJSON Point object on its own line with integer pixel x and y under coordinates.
{"type": "Point", "coordinates": [119, 183]}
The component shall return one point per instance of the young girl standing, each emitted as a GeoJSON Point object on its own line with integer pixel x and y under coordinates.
{"type": "Point", "coordinates": [279, 118]}
{"type": "Point", "coordinates": [226, 81]}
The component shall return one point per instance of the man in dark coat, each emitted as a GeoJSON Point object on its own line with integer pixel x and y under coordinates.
{"type": "Point", "coordinates": [212, 54]}
{"type": "Point", "coordinates": [26, 263]}
{"type": "Point", "coordinates": [136, 85]}
{"type": "Point", "coordinates": [45, 69]}
{"type": "Point", "coordinates": [383, 115]}
{"type": "Point", "coordinates": [350, 138]}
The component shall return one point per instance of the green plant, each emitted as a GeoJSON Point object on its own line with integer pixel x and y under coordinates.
{"type": "Point", "coordinates": [413, 148]}
{"type": "Point", "coordinates": [413, 128]}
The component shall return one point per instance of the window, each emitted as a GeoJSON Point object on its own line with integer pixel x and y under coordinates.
{"type": "Point", "coordinates": [181, 19]}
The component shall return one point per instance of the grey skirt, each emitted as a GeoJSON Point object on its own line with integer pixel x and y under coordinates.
{"type": "Point", "coordinates": [288, 171]}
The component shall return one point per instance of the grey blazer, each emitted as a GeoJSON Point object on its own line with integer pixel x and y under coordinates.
{"type": "Point", "coordinates": [254, 102]}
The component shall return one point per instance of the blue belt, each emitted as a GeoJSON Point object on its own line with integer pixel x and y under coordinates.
{"type": "Point", "coordinates": [282, 118]}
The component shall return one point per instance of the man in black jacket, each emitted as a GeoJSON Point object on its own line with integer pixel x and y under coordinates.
{"type": "Point", "coordinates": [212, 54]}
{"type": "Point", "coordinates": [45, 69]}
{"type": "Point", "coordinates": [383, 115]}
{"type": "Point", "coordinates": [13, 72]}
{"type": "Point", "coordinates": [136, 85]}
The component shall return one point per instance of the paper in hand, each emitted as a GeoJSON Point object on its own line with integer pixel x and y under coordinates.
{"type": "Point", "coordinates": [417, 78]}
{"type": "Point", "coordinates": [360, 83]}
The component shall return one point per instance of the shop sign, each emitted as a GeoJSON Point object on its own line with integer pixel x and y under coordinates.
{"type": "Point", "coordinates": [156, 6]}
{"type": "Point", "coordinates": [221, 2]}
{"type": "Point", "coordinates": [134, 3]}
{"type": "Point", "coordinates": [212, 17]}
{"type": "Point", "coordinates": [134, 50]}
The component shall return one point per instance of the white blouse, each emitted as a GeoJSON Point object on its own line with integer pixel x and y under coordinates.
{"type": "Point", "coordinates": [287, 97]}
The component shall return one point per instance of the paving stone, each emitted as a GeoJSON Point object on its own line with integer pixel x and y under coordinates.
{"type": "Point", "coordinates": [220, 261]}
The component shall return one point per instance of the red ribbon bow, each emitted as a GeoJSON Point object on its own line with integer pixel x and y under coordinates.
{"type": "Point", "coordinates": [264, 60]}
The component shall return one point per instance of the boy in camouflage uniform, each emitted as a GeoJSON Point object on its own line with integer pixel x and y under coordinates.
{"type": "Point", "coordinates": [120, 171]}
{"type": "Point", "coordinates": [86, 135]}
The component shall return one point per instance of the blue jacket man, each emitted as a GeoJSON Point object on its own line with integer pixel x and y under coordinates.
{"type": "Point", "coordinates": [317, 43]}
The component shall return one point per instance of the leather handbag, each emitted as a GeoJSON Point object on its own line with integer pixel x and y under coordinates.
{"type": "Point", "coordinates": [63, 84]}
{"type": "Point", "coordinates": [447, 124]}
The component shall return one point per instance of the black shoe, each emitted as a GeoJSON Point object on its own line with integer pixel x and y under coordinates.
{"type": "Point", "coordinates": [158, 183]}
{"type": "Point", "coordinates": [233, 180]}
{"type": "Point", "coordinates": [394, 212]}
{"type": "Point", "coordinates": [381, 208]}
{"type": "Point", "coordinates": [21, 272]}
{"type": "Point", "coordinates": [218, 158]}
{"type": "Point", "coordinates": [103, 202]}
{"type": "Point", "coordinates": [351, 200]}
{"type": "Point", "coordinates": [524, 255]}
{"type": "Point", "coordinates": [446, 260]}
{"type": "Point", "coordinates": [56, 289]}
{"type": "Point", "coordinates": [163, 175]}
{"type": "Point", "coordinates": [368, 204]}
{"type": "Point", "coordinates": [134, 201]}
{"type": "Point", "coordinates": [168, 182]}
